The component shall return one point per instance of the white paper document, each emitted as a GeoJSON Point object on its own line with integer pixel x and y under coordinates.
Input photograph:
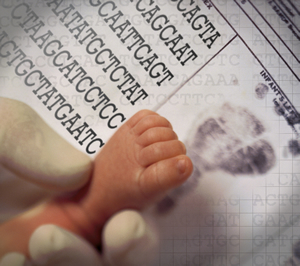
{"type": "Point", "coordinates": [226, 74]}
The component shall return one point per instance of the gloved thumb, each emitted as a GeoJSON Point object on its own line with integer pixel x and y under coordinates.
{"type": "Point", "coordinates": [51, 245]}
{"type": "Point", "coordinates": [129, 240]}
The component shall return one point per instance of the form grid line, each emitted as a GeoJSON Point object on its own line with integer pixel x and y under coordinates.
{"type": "Point", "coordinates": [158, 106]}
{"type": "Point", "coordinates": [261, 64]}
{"type": "Point", "coordinates": [246, 258]}
{"type": "Point", "coordinates": [298, 78]}
{"type": "Point", "coordinates": [270, 26]}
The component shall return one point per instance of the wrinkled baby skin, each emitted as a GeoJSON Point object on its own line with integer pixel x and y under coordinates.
{"type": "Point", "coordinates": [137, 166]}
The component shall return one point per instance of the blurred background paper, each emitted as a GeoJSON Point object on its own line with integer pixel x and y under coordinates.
{"type": "Point", "coordinates": [227, 76]}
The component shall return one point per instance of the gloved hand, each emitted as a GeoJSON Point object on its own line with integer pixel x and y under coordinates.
{"type": "Point", "coordinates": [127, 240]}
{"type": "Point", "coordinates": [34, 152]}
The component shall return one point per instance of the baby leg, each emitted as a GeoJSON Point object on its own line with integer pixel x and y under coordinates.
{"type": "Point", "coordinates": [142, 160]}
{"type": "Point", "coordinates": [138, 165]}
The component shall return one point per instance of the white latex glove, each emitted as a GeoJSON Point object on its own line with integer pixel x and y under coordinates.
{"type": "Point", "coordinates": [128, 240]}
{"type": "Point", "coordinates": [34, 152]}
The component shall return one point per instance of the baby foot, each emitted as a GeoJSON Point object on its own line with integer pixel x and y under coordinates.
{"type": "Point", "coordinates": [137, 166]}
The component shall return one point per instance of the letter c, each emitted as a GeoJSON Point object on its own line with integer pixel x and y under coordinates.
{"type": "Point", "coordinates": [88, 146]}
{"type": "Point", "coordinates": [30, 74]}
{"type": "Point", "coordinates": [113, 117]}
{"type": "Point", "coordinates": [100, 9]}
{"type": "Point", "coordinates": [15, 16]}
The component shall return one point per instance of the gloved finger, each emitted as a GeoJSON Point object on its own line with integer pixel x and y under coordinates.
{"type": "Point", "coordinates": [17, 195]}
{"type": "Point", "coordinates": [128, 239]}
{"type": "Point", "coordinates": [51, 245]}
{"type": "Point", "coordinates": [14, 259]}
{"type": "Point", "coordinates": [34, 151]}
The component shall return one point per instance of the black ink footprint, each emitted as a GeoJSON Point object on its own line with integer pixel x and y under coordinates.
{"type": "Point", "coordinates": [231, 140]}
{"type": "Point", "coordinates": [261, 90]}
{"type": "Point", "coordinates": [294, 147]}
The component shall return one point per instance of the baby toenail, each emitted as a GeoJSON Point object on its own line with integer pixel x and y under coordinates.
{"type": "Point", "coordinates": [181, 165]}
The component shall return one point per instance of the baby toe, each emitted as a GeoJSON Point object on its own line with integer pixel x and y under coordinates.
{"type": "Point", "coordinates": [139, 116]}
{"type": "Point", "coordinates": [158, 178]}
{"type": "Point", "coordinates": [160, 151]}
{"type": "Point", "coordinates": [156, 134]}
{"type": "Point", "coordinates": [150, 121]}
